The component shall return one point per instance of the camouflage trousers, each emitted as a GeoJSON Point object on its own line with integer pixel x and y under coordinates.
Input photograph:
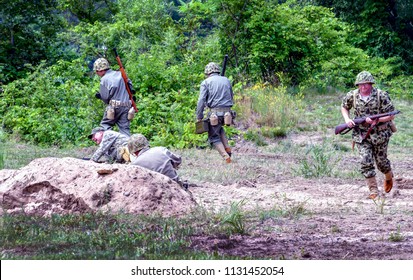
{"type": "Point", "coordinates": [370, 153]}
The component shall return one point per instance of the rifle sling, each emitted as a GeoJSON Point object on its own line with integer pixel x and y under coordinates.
{"type": "Point", "coordinates": [370, 129]}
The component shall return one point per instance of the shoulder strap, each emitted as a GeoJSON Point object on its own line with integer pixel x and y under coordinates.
{"type": "Point", "coordinates": [354, 99]}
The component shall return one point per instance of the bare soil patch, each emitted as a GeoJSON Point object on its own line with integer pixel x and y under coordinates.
{"type": "Point", "coordinates": [294, 217]}
{"type": "Point", "coordinates": [321, 218]}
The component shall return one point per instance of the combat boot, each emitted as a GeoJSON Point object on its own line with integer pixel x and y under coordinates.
{"type": "Point", "coordinates": [228, 150]}
{"type": "Point", "coordinates": [221, 149]}
{"type": "Point", "coordinates": [224, 141]}
{"type": "Point", "coordinates": [372, 184]}
{"type": "Point", "coordinates": [388, 181]}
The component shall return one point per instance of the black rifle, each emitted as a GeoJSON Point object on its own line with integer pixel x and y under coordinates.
{"type": "Point", "coordinates": [224, 65]}
{"type": "Point", "coordinates": [343, 128]}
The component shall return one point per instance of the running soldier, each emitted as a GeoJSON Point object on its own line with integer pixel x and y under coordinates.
{"type": "Point", "coordinates": [368, 100]}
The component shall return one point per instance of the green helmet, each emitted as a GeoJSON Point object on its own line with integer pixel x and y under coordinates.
{"type": "Point", "coordinates": [212, 67]}
{"type": "Point", "coordinates": [95, 130]}
{"type": "Point", "coordinates": [137, 142]}
{"type": "Point", "coordinates": [100, 64]}
{"type": "Point", "coordinates": [364, 77]}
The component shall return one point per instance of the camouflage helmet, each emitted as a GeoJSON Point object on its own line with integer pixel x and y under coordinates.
{"type": "Point", "coordinates": [100, 64]}
{"type": "Point", "coordinates": [137, 142]}
{"type": "Point", "coordinates": [95, 130]}
{"type": "Point", "coordinates": [364, 77]}
{"type": "Point", "coordinates": [212, 67]}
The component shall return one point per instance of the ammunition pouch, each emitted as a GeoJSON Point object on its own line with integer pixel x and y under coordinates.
{"type": "Point", "coordinates": [228, 118]}
{"type": "Point", "coordinates": [213, 119]}
{"type": "Point", "coordinates": [131, 113]}
{"type": "Point", "coordinates": [226, 112]}
{"type": "Point", "coordinates": [110, 112]}
{"type": "Point", "coordinates": [201, 126]}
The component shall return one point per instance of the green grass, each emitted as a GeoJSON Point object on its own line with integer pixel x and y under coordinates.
{"type": "Point", "coordinates": [124, 236]}
{"type": "Point", "coordinates": [96, 236]}
{"type": "Point", "coordinates": [396, 236]}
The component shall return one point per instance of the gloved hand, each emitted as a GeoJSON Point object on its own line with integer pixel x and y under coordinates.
{"type": "Point", "coordinates": [124, 153]}
{"type": "Point", "coordinates": [98, 96]}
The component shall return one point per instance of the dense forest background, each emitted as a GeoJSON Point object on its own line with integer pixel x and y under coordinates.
{"type": "Point", "coordinates": [293, 48]}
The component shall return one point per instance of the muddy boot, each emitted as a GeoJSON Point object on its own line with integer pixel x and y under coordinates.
{"type": "Point", "coordinates": [388, 181]}
{"type": "Point", "coordinates": [372, 184]}
{"type": "Point", "coordinates": [220, 148]}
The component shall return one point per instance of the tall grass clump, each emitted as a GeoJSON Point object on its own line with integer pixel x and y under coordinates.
{"type": "Point", "coordinates": [234, 219]}
{"type": "Point", "coordinates": [317, 162]}
{"type": "Point", "coordinates": [268, 111]}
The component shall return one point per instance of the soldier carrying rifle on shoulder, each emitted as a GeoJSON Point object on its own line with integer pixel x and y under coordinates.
{"type": "Point", "coordinates": [116, 91]}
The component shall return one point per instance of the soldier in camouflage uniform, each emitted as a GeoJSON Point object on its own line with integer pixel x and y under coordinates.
{"type": "Point", "coordinates": [113, 93]}
{"type": "Point", "coordinates": [158, 159]}
{"type": "Point", "coordinates": [368, 100]}
{"type": "Point", "coordinates": [216, 94]}
{"type": "Point", "coordinates": [112, 145]}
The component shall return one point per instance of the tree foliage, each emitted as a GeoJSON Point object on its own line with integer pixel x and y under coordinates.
{"type": "Point", "coordinates": [28, 30]}
{"type": "Point", "coordinates": [164, 46]}
{"type": "Point", "coordinates": [382, 28]}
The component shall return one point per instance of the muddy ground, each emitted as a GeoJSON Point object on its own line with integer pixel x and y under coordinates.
{"type": "Point", "coordinates": [317, 218]}
{"type": "Point", "coordinates": [285, 215]}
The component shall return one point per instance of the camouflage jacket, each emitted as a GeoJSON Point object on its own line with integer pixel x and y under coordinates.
{"type": "Point", "coordinates": [159, 159]}
{"type": "Point", "coordinates": [112, 141]}
{"type": "Point", "coordinates": [377, 103]}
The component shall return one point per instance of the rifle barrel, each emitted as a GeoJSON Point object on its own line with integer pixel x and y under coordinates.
{"type": "Point", "coordinates": [224, 65]}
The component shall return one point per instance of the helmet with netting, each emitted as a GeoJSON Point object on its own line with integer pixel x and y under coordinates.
{"type": "Point", "coordinates": [364, 77]}
{"type": "Point", "coordinates": [100, 64]}
{"type": "Point", "coordinates": [137, 142]}
{"type": "Point", "coordinates": [95, 130]}
{"type": "Point", "coordinates": [212, 67]}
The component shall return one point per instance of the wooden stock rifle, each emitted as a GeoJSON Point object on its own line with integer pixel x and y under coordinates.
{"type": "Point", "coordinates": [343, 128]}
{"type": "Point", "coordinates": [125, 79]}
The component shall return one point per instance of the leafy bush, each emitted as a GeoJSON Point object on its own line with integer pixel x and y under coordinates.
{"type": "Point", "coordinates": [52, 106]}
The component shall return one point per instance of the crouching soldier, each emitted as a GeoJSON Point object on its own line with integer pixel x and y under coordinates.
{"type": "Point", "coordinates": [112, 145]}
{"type": "Point", "coordinates": [158, 159]}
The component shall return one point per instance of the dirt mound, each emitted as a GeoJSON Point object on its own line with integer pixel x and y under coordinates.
{"type": "Point", "coordinates": [68, 185]}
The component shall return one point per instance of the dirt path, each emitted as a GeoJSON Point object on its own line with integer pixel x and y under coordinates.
{"type": "Point", "coordinates": [325, 218]}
